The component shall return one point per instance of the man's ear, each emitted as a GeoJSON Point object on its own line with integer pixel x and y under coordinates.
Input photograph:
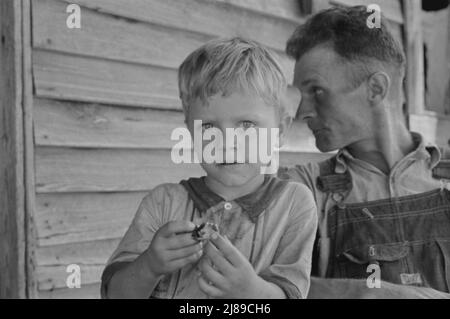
{"type": "Point", "coordinates": [379, 85]}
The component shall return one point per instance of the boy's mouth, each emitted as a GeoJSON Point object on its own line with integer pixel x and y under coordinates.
{"type": "Point", "coordinates": [230, 164]}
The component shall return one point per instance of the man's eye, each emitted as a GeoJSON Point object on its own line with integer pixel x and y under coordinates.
{"type": "Point", "coordinates": [318, 92]}
{"type": "Point", "coordinates": [248, 124]}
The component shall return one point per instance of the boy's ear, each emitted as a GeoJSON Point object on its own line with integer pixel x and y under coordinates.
{"type": "Point", "coordinates": [285, 125]}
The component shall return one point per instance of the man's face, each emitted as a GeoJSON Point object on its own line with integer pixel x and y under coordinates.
{"type": "Point", "coordinates": [337, 113]}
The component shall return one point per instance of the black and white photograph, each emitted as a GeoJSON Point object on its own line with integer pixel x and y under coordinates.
{"type": "Point", "coordinates": [238, 150]}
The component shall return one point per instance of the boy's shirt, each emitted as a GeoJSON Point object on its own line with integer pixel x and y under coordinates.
{"type": "Point", "coordinates": [274, 227]}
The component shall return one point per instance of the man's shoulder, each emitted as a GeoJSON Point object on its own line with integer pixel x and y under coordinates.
{"type": "Point", "coordinates": [306, 173]}
{"type": "Point", "coordinates": [442, 168]}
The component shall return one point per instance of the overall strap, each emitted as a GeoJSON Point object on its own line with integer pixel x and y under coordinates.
{"type": "Point", "coordinates": [329, 180]}
{"type": "Point", "coordinates": [442, 169]}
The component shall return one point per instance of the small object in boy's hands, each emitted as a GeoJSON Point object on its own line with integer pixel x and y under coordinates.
{"type": "Point", "coordinates": [204, 231]}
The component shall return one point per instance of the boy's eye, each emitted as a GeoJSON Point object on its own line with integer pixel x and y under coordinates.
{"type": "Point", "coordinates": [247, 124]}
{"type": "Point", "coordinates": [206, 126]}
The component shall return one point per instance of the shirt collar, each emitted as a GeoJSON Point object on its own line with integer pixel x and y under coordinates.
{"type": "Point", "coordinates": [253, 204]}
{"type": "Point", "coordinates": [424, 151]}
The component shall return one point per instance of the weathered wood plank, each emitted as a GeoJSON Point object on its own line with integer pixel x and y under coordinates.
{"type": "Point", "coordinates": [64, 123]}
{"type": "Point", "coordinates": [12, 191]}
{"type": "Point", "coordinates": [106, 36]}
{"type": "Point", "coordinates": [202, 16]}
{"type": "Point", "coordinates": [286, 9]}
{"type": "Point", "coordinates": [86, 253]}
{"type": "Point", "coordinates": [94, 80]}
{"type": "Point", "coordinates": [65, 218]}
{"type": "Point", "coordinates": [434, 128]}
{"type": "Point", "coordinates": [91, 291]}
{"type": "Point", "coordinates": [51, 277]}
{"type": "Point", "coordinates": [31, 280]}
{"type": "Point", "coordinates": [75, 170]}
{"type": "Point", "coordinates": [415, 81]}
{"type": "Point", "coordinates": [105, 170]}
{"type": "Point", "coordinates": [392, 10]}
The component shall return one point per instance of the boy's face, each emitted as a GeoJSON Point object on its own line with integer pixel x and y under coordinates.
{"type": "Point", "coordinates": [235, 111]}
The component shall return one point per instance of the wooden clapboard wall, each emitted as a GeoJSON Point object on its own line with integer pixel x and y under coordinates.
{"type": "Point", "coordinates": [105, 102]}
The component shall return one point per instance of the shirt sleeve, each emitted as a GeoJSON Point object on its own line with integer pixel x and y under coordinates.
{"type": "Point", "coordinates": [146, 222]}
{"type": "Point", "coordinates": [291, 267]}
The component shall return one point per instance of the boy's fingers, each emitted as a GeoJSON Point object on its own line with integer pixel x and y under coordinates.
{"type": "Point", "coordinates": [186, 252]}
{"type": "Point", "coordinates": [222, 264]}
{"type": "Point", "coordinates": [180, 226]}
{"type": "Point", "coordinates": [209, 289]}
{"type": "Point", "coordinates": [180, 263]}
{"type": "Point", "coordinates": [211, 274]}
{"type": "Point", "coordinates": [226, 248]}
{"type": "Point", "coordinates": [180, 241]}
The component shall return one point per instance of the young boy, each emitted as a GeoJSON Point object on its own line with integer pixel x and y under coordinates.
{"type": "Point", "coordinates": [259, 231]}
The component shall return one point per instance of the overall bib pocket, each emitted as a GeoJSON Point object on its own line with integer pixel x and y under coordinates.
{"type": "Point", "coordinates": [444, 245]}
{"type": "Point", "coordinates": [354, 262]}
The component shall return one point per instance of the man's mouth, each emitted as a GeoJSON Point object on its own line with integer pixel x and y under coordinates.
{"type": "Point", "coordinates": [315, 132]}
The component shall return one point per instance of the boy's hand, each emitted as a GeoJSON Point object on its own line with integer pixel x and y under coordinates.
{"type": "Point", "coordinates": [172, 248]}
{"type": "Point", "coordinates": [225, 272]}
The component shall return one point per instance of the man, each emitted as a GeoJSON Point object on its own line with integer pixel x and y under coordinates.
{"type": "Point", "coordinates": [384, 210]}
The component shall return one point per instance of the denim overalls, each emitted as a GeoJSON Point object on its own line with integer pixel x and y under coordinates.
{"type": "Point", "coordinates": [406, 238]}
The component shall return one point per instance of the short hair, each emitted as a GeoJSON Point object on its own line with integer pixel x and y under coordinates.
{"type": "Point", "coordinates": [225, 66]}
{"type": "Point", "coordinates": [345, 29]}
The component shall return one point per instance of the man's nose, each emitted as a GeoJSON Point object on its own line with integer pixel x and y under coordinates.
{"type": "Point", "coordinates": [306, 110]}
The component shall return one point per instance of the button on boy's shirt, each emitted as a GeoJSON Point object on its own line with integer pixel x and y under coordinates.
{"type": "Point", "coordinates": [411, 175]}
{"type": "Point", "coordinates": [273, 227]}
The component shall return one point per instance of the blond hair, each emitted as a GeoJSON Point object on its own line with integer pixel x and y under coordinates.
{"type": "Point", "coordinates": [231, 65]}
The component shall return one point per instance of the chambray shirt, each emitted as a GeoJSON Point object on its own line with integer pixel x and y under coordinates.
{"type": "Point", "coordinates": [411, 175]}
{"type": "Point", "coordinates": [273, 227]}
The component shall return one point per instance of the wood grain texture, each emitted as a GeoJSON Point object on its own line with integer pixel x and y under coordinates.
{"type": "Point", "coordinates": [62, 77]}
{"type": "Point", "coordinates": [86, 252]}
{"type": "Point", "coordinates": [27, 76]}
{"type": "Point", "coordinates": [51, 277]}
{"type": "Point", "coordinates": [70, 124]}
{"type": "Point", "coordinates": [69, 218]}
{"type": "Point", "coordinates": [106, 170]}
{"type": "Point", "coordinates": [106, 36]}
{"type": "Point", "coordinates": [434, 128]}
{"type": "Point", "coordinates": [95, 80]}
{"type": "Point", "coordinates": [12, 190]}
{"type": "Point", "coordinates": [286, 9]}
{"type": "Point", "coordinates": [415, 81]}
{"type": "Point", "coordinates": [90, 125]}
{"type": "Point", "coordinates": [391, 9]}
{"type": "Point", "coordinates": [201, 16]}
{"type": "Point", "coordinates": [91, 291]}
